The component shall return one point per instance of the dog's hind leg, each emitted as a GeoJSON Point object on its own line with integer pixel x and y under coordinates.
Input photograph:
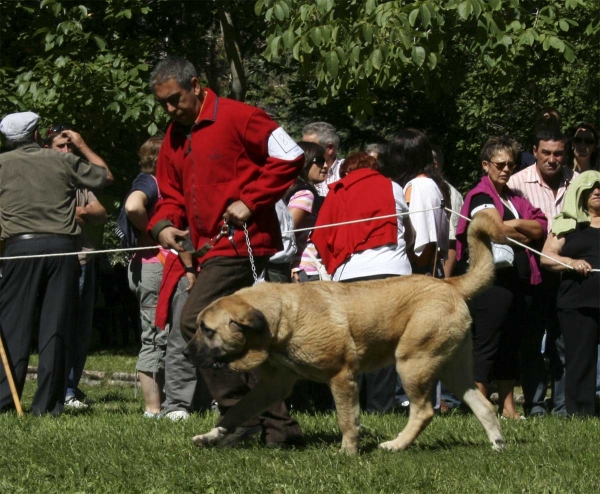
{"type": "Point", "coordinates": [417, 378]}
{"type": "Point", "coordinates": [457, 374]}
{"type": "Point", "coordinates": [345, 394]}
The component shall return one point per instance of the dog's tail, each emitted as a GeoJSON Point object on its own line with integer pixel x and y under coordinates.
{"type": "Point", "coordinates": [481, 274]}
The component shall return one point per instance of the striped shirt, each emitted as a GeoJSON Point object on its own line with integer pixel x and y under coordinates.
{"type": "Point", "coordinates": [530, 185]}
{"type": "Point", "coordinates": [333, 175]}
{"type": "Point", "coordinates": [303, 200]}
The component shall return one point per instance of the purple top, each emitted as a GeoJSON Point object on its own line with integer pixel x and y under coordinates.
{"type": "Point", "coordinates": [525, 209]}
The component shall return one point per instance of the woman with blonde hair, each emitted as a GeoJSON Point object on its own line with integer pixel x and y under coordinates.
{"type": "Point", "coordinates": [145, 275]}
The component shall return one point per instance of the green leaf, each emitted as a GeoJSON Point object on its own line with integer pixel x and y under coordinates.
{"type": "Point", "coordinates": [495, 4]}
{"type": "Point", "coordinates": [275, 46]}
{"type": "Point", "coordinates": [278, 11]}
{"type": "Point", "coordinates": [315, 35]}
{"type": "Point", "coordinates": [465, 9]}
{"type": "Point", "coordinates": [368, 32]}
{"type": "Point", "coordinates": [432, 60]}
{"type": "Point", "coordinates": [564, 25]}
{"type": "Point", "coordinates": [332, 63]}
{"type": "Point", "coordinates": [425, 16]}
{"type": "Point", "coordinates": [296, 50]}
{"type": "Point", "coordinates": [288, 38]}
{"type": "Point", "coordinates": [46, 2]}
{"type": "Point", "coordinates": [100, 42]}
{"type": "Point", "coordinates": [370, 6]}
{"type": "Point", "coordinates": [412, 17]}
{"type": "Point", "coordinates": [152, 129]}
{"type": "Point", "coordinates": [418, 55]}
{"type": "Point", "coordinates": [258, 6]}
{"type": "Point", "coordinates": [569, 54]}
{"type": "Point", "coordinates": [114, 106]}
{"type": "Point", "coordinates": [376, 58]}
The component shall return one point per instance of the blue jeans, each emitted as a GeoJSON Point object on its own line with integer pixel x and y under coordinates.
{"type": "Point", "coordinates": [82, 332]}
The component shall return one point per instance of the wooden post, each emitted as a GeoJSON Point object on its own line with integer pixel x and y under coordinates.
{"type": "Point", "coordinates": [9, 376]}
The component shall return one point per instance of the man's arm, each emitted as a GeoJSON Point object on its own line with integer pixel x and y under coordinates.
{"type": "Point", "coordinates": [282, 158]}
{"type": "Point", "coordinates": [78, 142]}
{"type": "Point", "coordinates": [93, 213]}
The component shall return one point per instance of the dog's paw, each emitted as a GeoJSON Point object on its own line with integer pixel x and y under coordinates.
{"type": "Point", "coordinates": [389, 445]}
{"type": "Point", "coordinates": [210, 438]}
{"type": "Point", "coordinates": [499, 445]}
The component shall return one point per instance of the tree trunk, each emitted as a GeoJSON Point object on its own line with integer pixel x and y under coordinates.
{"type": "Point", "coordinates": [234, 56]}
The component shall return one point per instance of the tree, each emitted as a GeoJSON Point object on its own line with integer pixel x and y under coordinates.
{"type": "Point", "coordinates": [360, 45]}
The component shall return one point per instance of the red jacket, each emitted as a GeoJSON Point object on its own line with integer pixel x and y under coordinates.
{"type": "Point", "coordinates": [361, 194]}
{"type": "Point", "coordinates": [227, 158]}
{"type": "Point", "coordinates": [173, 270]}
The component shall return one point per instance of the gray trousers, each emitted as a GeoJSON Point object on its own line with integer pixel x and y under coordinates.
{"type": "Point", "coordinates": [184, 387]}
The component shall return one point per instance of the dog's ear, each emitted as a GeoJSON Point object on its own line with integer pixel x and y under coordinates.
{"type": "Point", "coordinates": [252, 320]}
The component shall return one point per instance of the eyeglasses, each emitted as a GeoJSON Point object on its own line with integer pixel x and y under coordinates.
{"type": "Point", "coordinates": [500, 165]}
{"type": "Point", "coordinates": [584, 140]}
{"type": "Point", "coordinates": [320, 162]}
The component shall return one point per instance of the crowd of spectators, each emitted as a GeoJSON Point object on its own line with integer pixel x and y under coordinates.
{"type": "Point", "coordinates": [218, 192]}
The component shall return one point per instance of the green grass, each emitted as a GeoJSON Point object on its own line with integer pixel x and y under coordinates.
{"type": "Point", "coordinates": [113, 449]}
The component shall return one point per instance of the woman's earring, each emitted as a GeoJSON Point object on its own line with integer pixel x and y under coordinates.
{"type": "Point", "coordinates": [485, 170]}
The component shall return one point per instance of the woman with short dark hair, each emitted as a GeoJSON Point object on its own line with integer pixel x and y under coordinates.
{"type": "Point", "coordinates": [499, 312]}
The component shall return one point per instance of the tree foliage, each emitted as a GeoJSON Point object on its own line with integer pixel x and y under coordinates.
{"type": "Point", "coordinates": [361, 45]}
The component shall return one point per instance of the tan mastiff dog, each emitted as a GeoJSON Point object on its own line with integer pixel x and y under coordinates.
{"type": "Point", "coordinates": [330, 332]}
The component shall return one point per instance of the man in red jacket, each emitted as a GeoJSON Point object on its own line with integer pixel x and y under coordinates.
{"type": "Point", "coordinates": [221, 160]}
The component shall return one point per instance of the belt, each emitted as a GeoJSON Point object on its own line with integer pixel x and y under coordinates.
{"type": "Point", "coordinates": [33, 236]}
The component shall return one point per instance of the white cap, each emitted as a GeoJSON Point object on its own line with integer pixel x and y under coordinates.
{"type": "Point", "coordinates": [18, 125]}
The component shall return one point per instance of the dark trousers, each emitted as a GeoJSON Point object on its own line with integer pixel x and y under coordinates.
{"type": "Point", "coordinates": [498, 321]}
{"type": "Point", "coordinates": [377, 388]}
{"type": "Point", "coordinates": [51, 284]}
{"type": "Point", "coordinates": [221, 276]}
{"type": "Point", "coordinates": [581, 330]}
{"type": "Point", "coordinates": [542, 318]}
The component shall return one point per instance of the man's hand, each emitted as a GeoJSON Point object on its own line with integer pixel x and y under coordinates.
{"type": "Point", "coordinates": [237, 213]}
{"type": "Point", "coordinates": [74, 138]}
{"type": "Point", "coordinates": [168, 238]}
{"type": "Point", "coordinates": [79, 215]}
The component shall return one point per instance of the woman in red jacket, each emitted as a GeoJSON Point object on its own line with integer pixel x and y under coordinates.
{"type": "Point", "coordinates": [369, 250]}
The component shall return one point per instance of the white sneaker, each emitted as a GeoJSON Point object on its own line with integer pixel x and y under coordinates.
{"type": "Point", "coordinates": [75, 403]}
{"type": "Point", "coordinates": [177, 415]}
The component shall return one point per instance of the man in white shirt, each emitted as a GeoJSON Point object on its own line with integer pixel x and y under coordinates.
{"type": "Point", "coordinates": [325, 135]}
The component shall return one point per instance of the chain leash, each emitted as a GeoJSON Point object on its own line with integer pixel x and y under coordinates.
{"type": "Point", "coordinates": [250, 255]}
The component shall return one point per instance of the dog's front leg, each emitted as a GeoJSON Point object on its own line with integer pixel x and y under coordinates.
{"type": "Point", "coordinates": [274, 385]}
{"type": "Point", "coordinates": [345, 393]}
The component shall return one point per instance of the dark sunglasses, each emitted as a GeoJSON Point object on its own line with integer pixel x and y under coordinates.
{"type": "Point", "coordinates": [318, 161]}
{"type": "Point", "coordinates": [583, 140]}
{"type": "Point", "coordinates": [500, 165]}
{"type": "Point", "coordinates": [57, 129]}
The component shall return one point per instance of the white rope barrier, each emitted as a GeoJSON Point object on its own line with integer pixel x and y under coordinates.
{"type": "Point", "coordinates": [86, 252]}
{"type": "Point", "coordinates": [331, 225]}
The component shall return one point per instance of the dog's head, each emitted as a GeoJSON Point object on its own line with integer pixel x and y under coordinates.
{"type": "Point", "coordinates": [230, 331]}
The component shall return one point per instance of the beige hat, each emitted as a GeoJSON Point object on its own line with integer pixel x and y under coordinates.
{"type": "Point", "coordinates": [18, 125]}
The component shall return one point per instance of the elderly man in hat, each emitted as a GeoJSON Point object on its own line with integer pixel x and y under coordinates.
{"type": "Point", "coordinates": [37, 217]}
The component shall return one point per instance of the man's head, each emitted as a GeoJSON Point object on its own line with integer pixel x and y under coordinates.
{"type": "Point", "coordinates": [325, 135]}
{"type": "Point", "coordinates": [549, 151]}
{"type": "Point", "coordinates": [376, 150]}
{"type": "Point", "coordinates": [177, 89]}
{"type": "Point", "coordinates": [20, 128]}
{"type": "Point", "coordinates": [55, 139]}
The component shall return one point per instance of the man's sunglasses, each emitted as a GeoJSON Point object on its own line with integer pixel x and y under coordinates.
{"type": "Point", "coordinates": [584, 140]}
{"type": "Point", "coordinates": [57, 129]}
